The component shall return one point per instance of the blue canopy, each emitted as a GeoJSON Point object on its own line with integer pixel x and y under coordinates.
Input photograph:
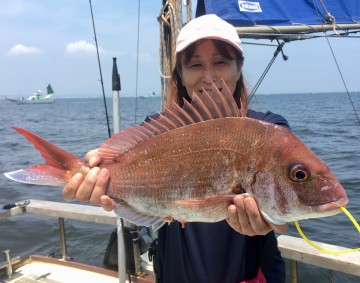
{"type": "Point", "coordinates": [286, 20]}
{"type": "Point", "coordinates": [282, 12]}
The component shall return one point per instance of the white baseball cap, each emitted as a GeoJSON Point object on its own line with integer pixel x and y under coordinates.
{"type": "Point", "coordinates": [210, 27]}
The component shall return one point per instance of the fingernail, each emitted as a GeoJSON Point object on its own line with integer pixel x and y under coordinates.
{"type": "Point", "coordinates": [92, 161]}
{"type": "Point", "coordinates": [237, 200]}
{"type": "Point", "coordinates": [104, 173]}
{"type": "Point", "coordinates": [103, 202]}
{"type": "Point", "coordinates": [77, 177]}
{"type": "Point", "coordinates": [94, 172]}
{"type": "Point", "coordinates": [232, 209]}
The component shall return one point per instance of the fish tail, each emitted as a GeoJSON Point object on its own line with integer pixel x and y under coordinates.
{"type": "Point", "coordinates": [59, 168]}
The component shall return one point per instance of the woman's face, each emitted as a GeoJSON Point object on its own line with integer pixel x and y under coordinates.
{"type": "Point", "coordinates": [207, 65]}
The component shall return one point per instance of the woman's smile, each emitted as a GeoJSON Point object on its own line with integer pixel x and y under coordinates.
{"type": "Point", "coordinates": [207, 66]}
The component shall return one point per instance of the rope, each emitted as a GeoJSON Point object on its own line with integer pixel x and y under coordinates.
{"type": "Point", "coordinates": [329, 18]}
{"type": "Point", "coordinates": [166, 23]}
{"type": "Point", "coordinates": [168, 34]}
{"type": "Point", "coordinates": [326, 250]}
{"type": "Point", "coordinates": [336, 62]}
{"type": "Point", "coordinates": [188, 10]}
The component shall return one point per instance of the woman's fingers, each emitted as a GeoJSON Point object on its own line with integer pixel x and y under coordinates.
{"type": "Point", "coordinates": [87, 186]}
{"type": "Point", "coordinates": [70, 189]}
{"type": "Point", "coordinates": [107, 203]}
{"type": "Point", "coordinates": [93, 186]}
{"type": "Point", "coordinates": [93, 157]}
{"type": "Point", "coordinates": [245, 217]}
{"type": "Point", "coordinates": [100, 186]}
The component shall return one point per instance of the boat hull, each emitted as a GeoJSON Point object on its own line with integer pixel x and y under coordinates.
{"type": "Point", "coordinates": [36, 98]}
{"type": "Point", "coordinates": [31, 101]}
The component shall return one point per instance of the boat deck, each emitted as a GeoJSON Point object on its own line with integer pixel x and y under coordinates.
{"type": "Point", "coordinates": [37, 268]}
{"type": "Point", "coordinates": [50, 270]}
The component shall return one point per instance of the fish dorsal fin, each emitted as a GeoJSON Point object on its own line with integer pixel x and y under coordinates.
{"type": "Point", "coordinates": [219, 103]}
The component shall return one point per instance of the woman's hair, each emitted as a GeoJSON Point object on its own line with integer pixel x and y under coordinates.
{"type": "Point", "coordinates": [176, 91]}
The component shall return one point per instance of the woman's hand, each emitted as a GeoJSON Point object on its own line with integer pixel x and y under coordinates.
{"type": "Point", "coordinates": [245, 218]}
{"type": "Point", "coordinates": [92, 187]}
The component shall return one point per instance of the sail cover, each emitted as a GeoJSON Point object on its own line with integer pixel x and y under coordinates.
{"type": "Point", "coordinates": [282, 12]}
{"type": "Point", "coordinates": [285, 13]}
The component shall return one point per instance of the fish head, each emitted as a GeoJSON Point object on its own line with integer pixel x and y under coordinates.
{"type": "Point", "coordinates": [294, 183]}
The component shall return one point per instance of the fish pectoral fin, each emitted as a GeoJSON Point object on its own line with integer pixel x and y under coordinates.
{"type": "Point", "coordinates": [210, 204]}
{"type": "Point", "coordinates": [129, 213]}
{"type": "Point", "coordinates": [206, 201]}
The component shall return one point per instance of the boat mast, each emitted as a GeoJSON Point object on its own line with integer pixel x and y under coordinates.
{"type": "Point", "coordinates": [171, 22]}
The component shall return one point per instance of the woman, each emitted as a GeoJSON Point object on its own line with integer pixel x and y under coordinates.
{"type": "Point", "coordinates": [242, 247]}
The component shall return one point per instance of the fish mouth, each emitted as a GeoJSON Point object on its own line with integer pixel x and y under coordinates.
{"type": "Point", "coordinates": [335, 205]}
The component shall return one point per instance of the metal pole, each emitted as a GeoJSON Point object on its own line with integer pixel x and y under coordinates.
{"type": "Point", "coordinates": [136, 248]}
{"type": "Point", "coordinates": [293, 271]}
{"type": "Point", "coordinates": [116, 87]}
{"type": "Point", "coordinates": [121, 252]}
{"type": "Point", "coordinates": [9, 265]}
{"type": "Point", "coordinates": [63, 238]}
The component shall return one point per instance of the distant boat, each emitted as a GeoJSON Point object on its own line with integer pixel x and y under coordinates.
{"type": "Point", "coordinates": [36, 98]}
{"type": "Point", "coordinates": [148, 95]}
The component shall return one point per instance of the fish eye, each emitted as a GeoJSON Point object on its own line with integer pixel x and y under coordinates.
{"type": "Point", "coordinates": [298, 173]}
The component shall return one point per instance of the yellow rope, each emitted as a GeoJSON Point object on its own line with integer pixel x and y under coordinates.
{"type": "Point", "coordinates": [325, 250]}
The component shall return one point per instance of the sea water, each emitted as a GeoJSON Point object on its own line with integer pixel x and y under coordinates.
{"type": "Point", "coordinates": [325, 122]}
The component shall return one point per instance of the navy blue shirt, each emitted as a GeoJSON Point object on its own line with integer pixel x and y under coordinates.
{"type": "Point", "coordinates": [214, 252]}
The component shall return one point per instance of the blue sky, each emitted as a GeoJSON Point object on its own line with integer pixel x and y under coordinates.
{"type": "Point", "coordinates": [52, 41]}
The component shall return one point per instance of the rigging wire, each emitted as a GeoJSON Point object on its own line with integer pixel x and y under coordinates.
{"type": "Point", "coordinates": [263, 75]}
{"type": "Point", "coordinates": [137, 60]}
{"type": "Point", "coordinates": [101, 77]}
{"type": "Point", "coordinates": [343, 80]}
{"type": "Point", "coordinates": [333, 20]}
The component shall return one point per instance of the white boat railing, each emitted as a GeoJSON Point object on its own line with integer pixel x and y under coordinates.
{"type": "Point", "coordinates": [297, 250]}
{"type": "Point", "coordinates": [292, 248]}
{"type": "Point", "coordinates": [63, 211]}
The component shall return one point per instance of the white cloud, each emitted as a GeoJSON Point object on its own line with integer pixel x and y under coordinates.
{"type": "Point", "coordinates": [81, 46]}
{"type": "Point", "coordinates": [19, 49]}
